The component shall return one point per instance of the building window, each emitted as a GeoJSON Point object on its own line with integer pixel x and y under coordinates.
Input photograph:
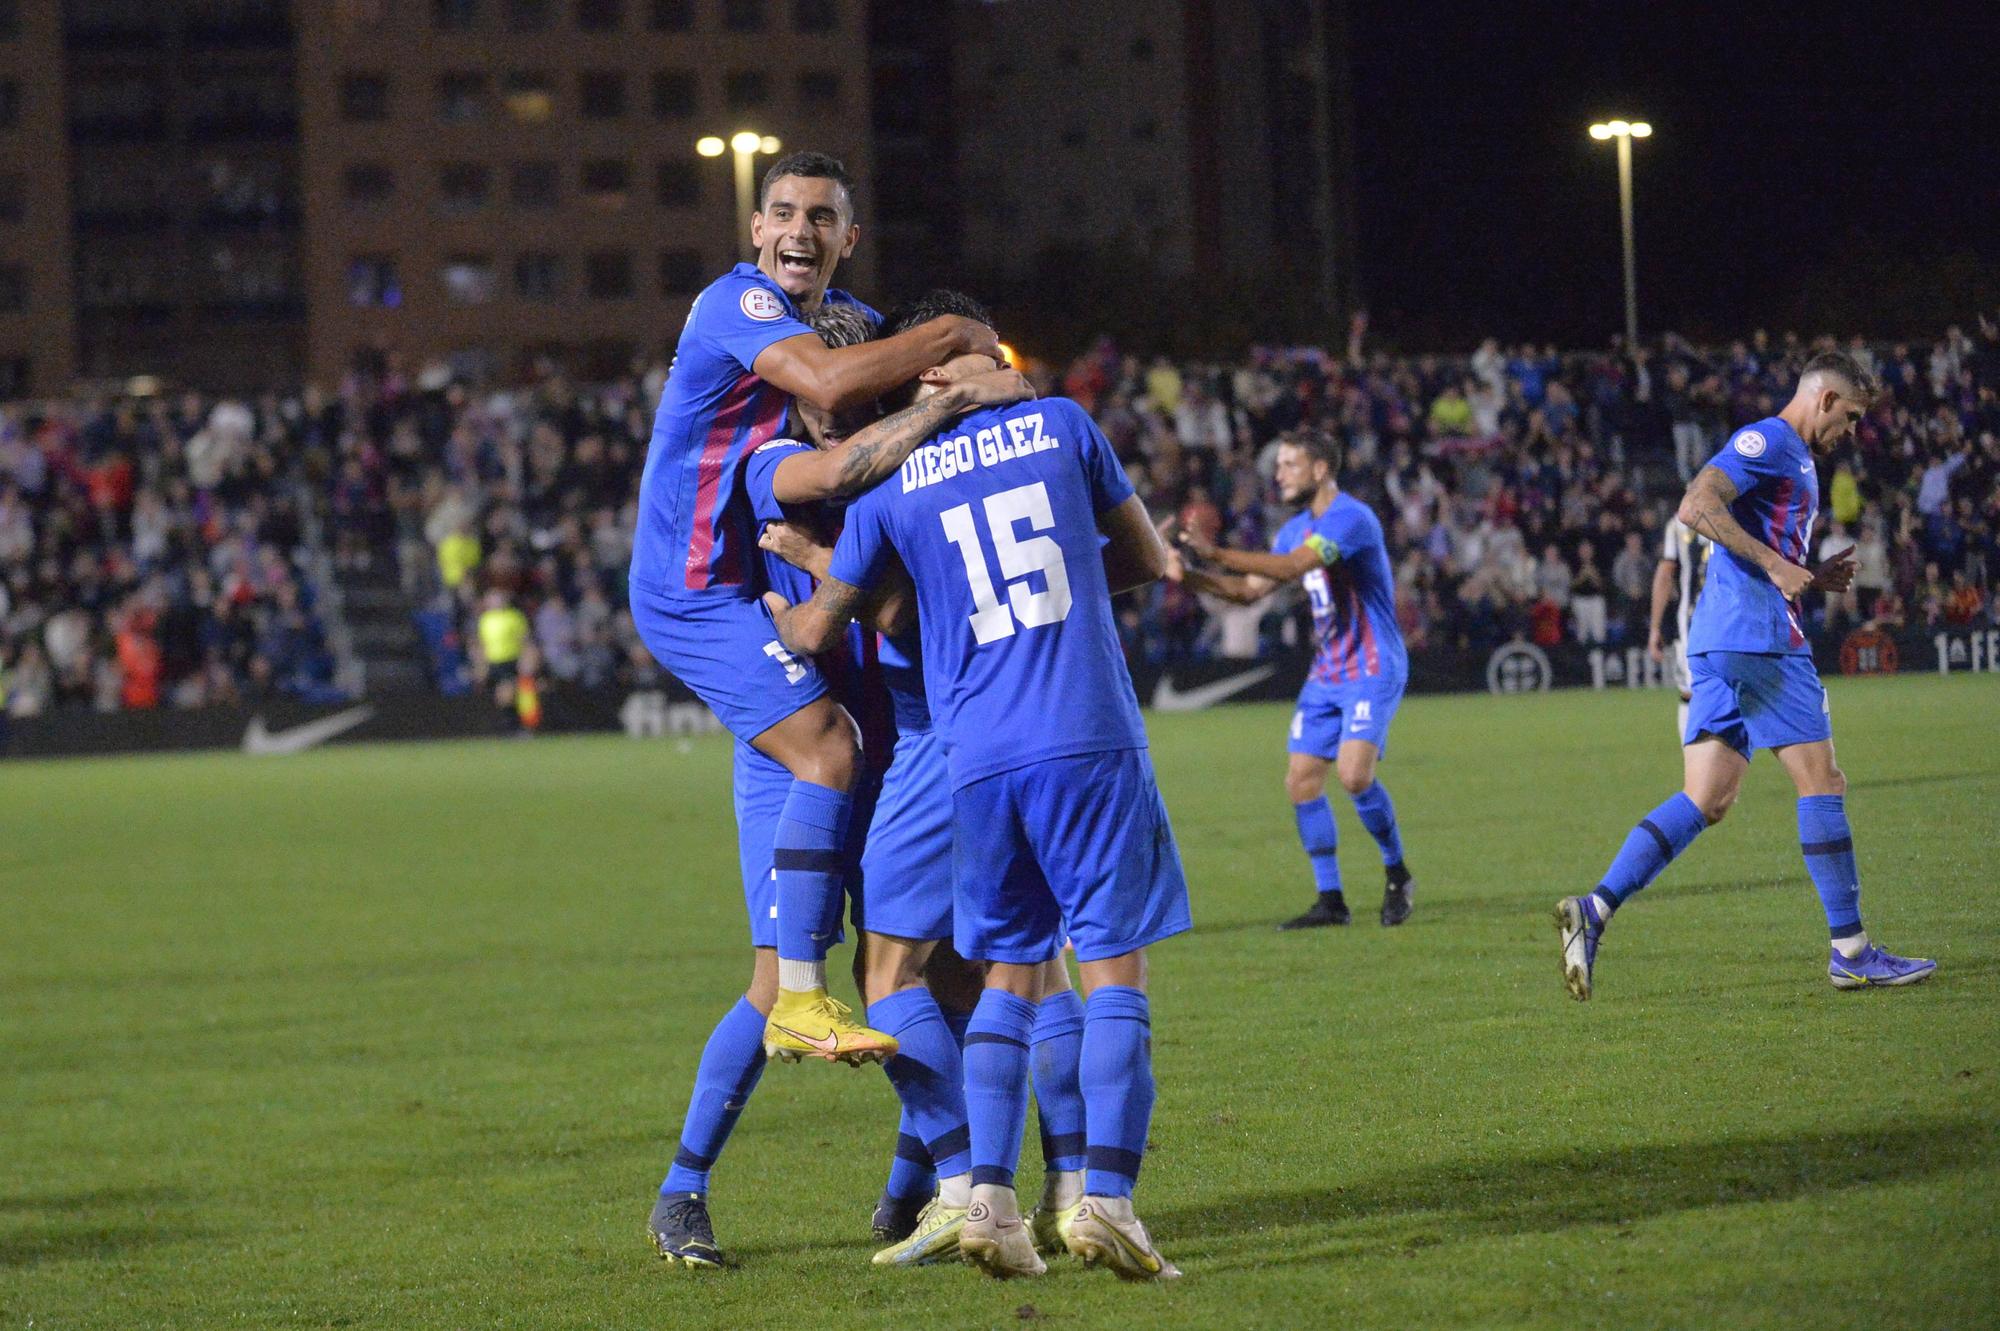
{"type": "Point", "coordinates": [743, 15]}
{"type": "Point", "coordinates": [530, 96]}
{"type": "Point", "coordinates": [371, 281]}
{"type": "Point", "coordinates": [608, 275]}
{"type": "Point", "coordinates": [462, 97]}
{"type": "Point", "coordinates": [13, 196]}
{"type": "Point", "coordinates": [600, 15]}
{"type": "Point", "coordinates": [747, 88]}
{"type": "Point", "coordinates": [670, 15]}
{"type": "Point", "coordinates": [367, 182]}
{"type": "Point", "coordinates": [815, 15]}
{"type": "Point", "coordinates": [674, 96]}
{"type": "Point", "coordinates": [464, 186]}
{"type": "Point", "coordinates": [529, 15]}
{"type": "Point", "coordinates": [13, 287]}
{"type": "Point", "coordinates": [535, 185]}
{"type": "Point", "coordinates": [606, 182]}
{"type": "Point", "coordinates": [364, 97]}
{"type": "Point", "coordinates": [538, 276]}
{"type": "Point", "coordinates": [678, 184]}
{"type": "Point", "coordinates": [680, 272]}
{"type": "Point", "coordinates": [468, 279]}
{"type": "Point", "coordinates": [819, 89]}
{"type": "Point", "coordinates": [455, 15]}
{"type": "Point", "coordinates": [600, 94]}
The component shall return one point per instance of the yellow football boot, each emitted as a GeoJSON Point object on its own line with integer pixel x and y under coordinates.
{"type": "Point", "coordinates": [810, 1024]}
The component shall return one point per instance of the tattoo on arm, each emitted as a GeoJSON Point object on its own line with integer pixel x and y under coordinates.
{"type": "Point", "coordinates": [873, 454]}
{"type": "Point", "coordinates": [1705, 509]}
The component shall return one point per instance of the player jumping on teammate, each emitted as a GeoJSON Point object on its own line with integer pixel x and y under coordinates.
{"type": "Point", "coordinates": [742, 357]}
{"type": "Point", "coordinates": [1359, 667]}
{"type": "Point", "coordinates": [1752, 681]}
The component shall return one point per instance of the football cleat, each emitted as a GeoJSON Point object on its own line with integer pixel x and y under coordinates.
{"type": "Point", "coordinates": [1320, 915]}
{"type": "Point", "coordinates": [896, 1217]}
{"type": "Point", "coordinates": [680, 1233]}
{"type": "Point", "coordinates": [1580, 929]}
{"type": "Point", "coordinates": [1000, 1248]}
{"type": "Point", "coordinates": [1876, 969]}
{"type": "Point", "coordinates": [1049, 1228]}
{"type": "Point", "coordinates": [1123, 1246]}
{"type": "Point", "coordinates": [810, 1024]}
{"type": "Point", "coordinates": [1396, 903]}
{"type": "Point", "coordinates": [935, 1238]}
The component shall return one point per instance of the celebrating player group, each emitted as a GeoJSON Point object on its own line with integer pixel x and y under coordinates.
{"type": "Point", "coordinates": [888, 568]}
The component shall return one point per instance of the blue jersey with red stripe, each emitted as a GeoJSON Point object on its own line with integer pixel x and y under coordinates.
{"type": "Point", "coordinates": [1353, 593]}
{"type": "Point", "coordinates": [1777, 501]}
{"type": "Point", "coordinates": [695, 535]}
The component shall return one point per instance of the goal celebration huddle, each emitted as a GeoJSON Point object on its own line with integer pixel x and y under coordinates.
{"type": "Point", "coordinates": [888, 568]}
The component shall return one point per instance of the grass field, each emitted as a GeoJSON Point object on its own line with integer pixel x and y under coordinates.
{"type": "Point", "coordinates": [399, 1037]}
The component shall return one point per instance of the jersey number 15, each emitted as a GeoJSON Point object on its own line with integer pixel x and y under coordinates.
{"type": "Point", "coordinates": [991, 619]}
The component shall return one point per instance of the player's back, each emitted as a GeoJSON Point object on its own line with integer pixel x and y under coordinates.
{"type": "Point", "coordinates": [996, 520]}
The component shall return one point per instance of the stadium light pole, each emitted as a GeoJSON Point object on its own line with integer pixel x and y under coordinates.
{"type": "Point", "coordinates": [746, 144]}
{"type": "Point", "coordinates": [1625, 131]}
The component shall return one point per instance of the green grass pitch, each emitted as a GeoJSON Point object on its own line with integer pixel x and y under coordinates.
{"type": "Point", "coordinates": [400, 1036]}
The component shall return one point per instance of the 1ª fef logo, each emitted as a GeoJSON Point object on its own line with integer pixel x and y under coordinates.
{"type": "Point", "coordinates": [760, 304]}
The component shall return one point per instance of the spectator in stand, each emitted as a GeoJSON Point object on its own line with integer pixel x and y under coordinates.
{"type": "Point", "coordinates": [1632, 582]}
{"type": "Point", "coordinates": [1587, 601]}
{"type": "Point", "coordinates": [1965, 603]}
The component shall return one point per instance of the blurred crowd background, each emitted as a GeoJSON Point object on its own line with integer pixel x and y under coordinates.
{"type": "Point", "coordinates": [180, 550]}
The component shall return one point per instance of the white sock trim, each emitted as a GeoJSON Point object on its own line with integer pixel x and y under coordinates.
{"type": "Point", "coordinates": [1852, 946]}
{"type": "Point", "coordinates": [955, 1190]}
{"type": "Point", "coordinates": [801, 976]}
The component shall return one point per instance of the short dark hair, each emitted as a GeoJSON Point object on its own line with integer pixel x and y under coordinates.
{"type": "Point", "coordinates": [1319, 445]}
{"type": "Point", "coordinates": [1845, 368]}
{"type": "Point", "coordinates": [931, 305]}
{"type": "Point", "coordinates": [842, 324]}
{"type": "Point", "coordinates": [819, 166]}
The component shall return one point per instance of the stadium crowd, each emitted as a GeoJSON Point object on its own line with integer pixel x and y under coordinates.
{"type": "Point", "coordinates": [156, 552]}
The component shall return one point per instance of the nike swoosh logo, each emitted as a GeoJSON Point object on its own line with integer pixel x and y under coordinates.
{"type": "Point", "coordinates": [1167, 698]}
{"type": "Point", "coordinates": [826, 1044]}
{"type": "Point", "coordinates": [269, 743]}
{"type": "Point", "coordinates": [1145, 1259]}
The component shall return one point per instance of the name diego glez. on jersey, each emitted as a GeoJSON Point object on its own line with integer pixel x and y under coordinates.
{"type": "Point", "coordinates": [946, 458]}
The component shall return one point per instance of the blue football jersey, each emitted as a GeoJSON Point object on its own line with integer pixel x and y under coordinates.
{"type": "Point", "coordinates": [1777, 501]}
{"type": "Point", "coordinates": [996, 520]}
{"type": "Point", "coordinates": [1353, 593]}
{"type": "Point", "coordinates": [694, 534]}
{"type": "Point", "coordinates": [854, 673]}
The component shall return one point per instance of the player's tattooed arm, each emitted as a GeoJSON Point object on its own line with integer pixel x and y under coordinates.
{"type": "Point", "coordinates": [871, 455]}
{"type": "Point", "coordinates": [816, 626]}
{"type": "Point", "coordinates": [1705, 509]}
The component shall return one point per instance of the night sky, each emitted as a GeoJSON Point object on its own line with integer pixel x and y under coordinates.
{"type": "Point", "coordinates": [1818, 166]}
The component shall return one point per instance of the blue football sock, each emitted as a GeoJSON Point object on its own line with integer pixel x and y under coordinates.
{"type": "Point", "coordinates": [1652, 845]}
{"type": "Point", "coordinates": [927, 1075]}
{"type": "Point", "coordinates": [731, 1063]}
{"type": "Point", "coordinates": [958, 1021]}
{"type": "Point", "coordinates": [1828, 844]}
{"type": "Point", "coordinates": [910, 1173]}
{"type": "Point", "coordinates": [809, 856]}
{"type": "Point", "coordinates": [1322, 842]}
{"type": "Point", "coordinates": [996, 1083]}
{"type": "Point", "coordinates": [1378, 815]}
{"type": "Point", "coordinates": [1116, 1072]}
{"type": "Point", "coordinates": [1056, 1047]}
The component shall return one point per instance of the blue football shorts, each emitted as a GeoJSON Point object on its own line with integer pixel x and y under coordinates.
{"type": "Point", "coordinates": [906, 865]}
{"type": "Point", "coordinates": [1753, 701]}
{"type": "Point", "coordinates": [726, 649]}
{"type": "Point", "coordinates": [1080, 842]}
{"type": "Point", "coordinates": [1330, 715]}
